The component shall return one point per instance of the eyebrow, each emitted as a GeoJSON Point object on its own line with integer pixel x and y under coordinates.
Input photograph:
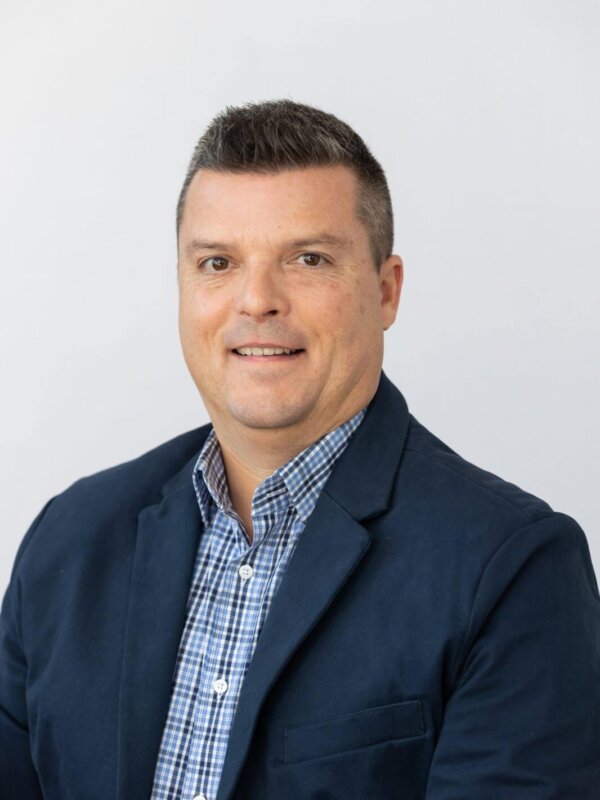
{"type": "Point", "coordinates": [202, 244]}
{"type": "Point", "coordinates": [323, 238]}
{"type": "Point", "coordinates": [342, 242]}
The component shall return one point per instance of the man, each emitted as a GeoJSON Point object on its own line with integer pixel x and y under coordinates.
{"type": "Point", "coordinates": [312, 597]}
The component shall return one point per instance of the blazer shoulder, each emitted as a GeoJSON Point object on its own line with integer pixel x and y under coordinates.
{"type": "Point", "coordinates": [98, 505]}
{"type": "Point", "coordinates": [465, 482]}
{"type": "Point", "coordinates": [143, 475]}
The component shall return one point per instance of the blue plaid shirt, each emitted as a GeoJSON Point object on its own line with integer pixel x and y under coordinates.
{"type": "Point", "coordinates": [232, 588]}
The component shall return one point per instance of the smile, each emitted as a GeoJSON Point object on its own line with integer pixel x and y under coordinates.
{"type": "Point", "coordinates": [264, 351]}
{"type": "Point", "coordinates": [267, 355]}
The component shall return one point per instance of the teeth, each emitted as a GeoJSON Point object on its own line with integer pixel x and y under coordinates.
{"type": "Point", "coordinates": [263, 351]}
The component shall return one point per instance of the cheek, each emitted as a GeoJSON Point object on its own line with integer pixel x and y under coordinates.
{"type": "Point", "coordinates": [342, 318]}
{"type": "Point", "coordinates": [198, 313]}
{"type": "Point", "coordinates": [187, 327]}
{"type": "Point", "coordinates": [355, 305]}
{"type": "Point", "coordinates": [361, 322]}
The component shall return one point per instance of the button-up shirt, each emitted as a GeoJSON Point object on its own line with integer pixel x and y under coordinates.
{"type": "Point", "coordinates": [232, 588]}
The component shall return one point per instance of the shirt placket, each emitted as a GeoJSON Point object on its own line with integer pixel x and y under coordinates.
{"type": "Point", "coordinates": [220, 692]}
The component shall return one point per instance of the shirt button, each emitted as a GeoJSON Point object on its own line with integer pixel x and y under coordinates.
{"type": "Point", "coordinates": [199, 797]}
{"type": "Point", "coordinates": [245, 572]}
{"type": "Point", "coordinates": [220, 686]}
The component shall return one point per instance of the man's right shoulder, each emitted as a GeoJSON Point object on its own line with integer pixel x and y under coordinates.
{"type": "Point", "coordinates": [99, 504]}
{"type": "Point", "coordinates": [146, 474]}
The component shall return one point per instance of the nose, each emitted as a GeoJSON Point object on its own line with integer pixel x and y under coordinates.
{"type": "Point", "coordinates": [261, 291]}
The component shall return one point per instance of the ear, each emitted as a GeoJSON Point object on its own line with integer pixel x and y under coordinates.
{"type": "Point", "coordinates": [391, 276]}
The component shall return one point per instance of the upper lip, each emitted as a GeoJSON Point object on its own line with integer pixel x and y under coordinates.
{"type": "Point", "coordinates": [266, 344]}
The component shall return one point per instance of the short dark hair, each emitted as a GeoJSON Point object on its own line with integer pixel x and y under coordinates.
{"type": "Point", "coordinates": [281, 134]}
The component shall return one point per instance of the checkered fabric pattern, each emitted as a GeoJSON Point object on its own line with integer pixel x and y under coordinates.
{"type": "Point", "coordinates": [232, 588]}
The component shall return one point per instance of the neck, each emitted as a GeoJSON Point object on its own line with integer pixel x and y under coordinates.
{"type": "Point", "coordinates": [249, 459]}
{"type": "Point", "coordinates": [259, 452]}
{"type": "Point", "coordinates": [251, 455]}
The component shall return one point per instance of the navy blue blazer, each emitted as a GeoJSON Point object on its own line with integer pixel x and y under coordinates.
{"type": "Point", "coordinates": [436, 635]}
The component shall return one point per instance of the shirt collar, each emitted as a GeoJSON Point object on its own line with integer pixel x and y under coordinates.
{"type": "Point", "coordinates": [298, 482]}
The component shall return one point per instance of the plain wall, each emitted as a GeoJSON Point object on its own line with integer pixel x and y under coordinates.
{"type": "Point", "coordinates": [486, 119]}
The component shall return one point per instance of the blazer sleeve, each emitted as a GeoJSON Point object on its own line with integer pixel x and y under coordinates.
{"type": "Point", "coordinates": [523, 721]}
{"type": "Point", "coordinates": [18, 777]}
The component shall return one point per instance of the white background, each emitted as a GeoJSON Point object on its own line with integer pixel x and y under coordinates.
{"type": "Point", "coordinates": [486, 119]}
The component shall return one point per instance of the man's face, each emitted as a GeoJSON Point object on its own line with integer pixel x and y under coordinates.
{"type": "Point", "coordinates": [282, 259]}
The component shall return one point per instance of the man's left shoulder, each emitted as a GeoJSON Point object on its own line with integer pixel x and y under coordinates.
{"type": "Point", "coordinates": [461, 506]}
{"type": "Point", "coordinates": [460, 517]}
{"type": "Point", "coordinates": [460, 481]}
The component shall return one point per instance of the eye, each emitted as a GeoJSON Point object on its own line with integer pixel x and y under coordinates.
{"type": "Point", "coordinates": [219, 264]}
{"type": "Point", "coordinates": [313, 259]}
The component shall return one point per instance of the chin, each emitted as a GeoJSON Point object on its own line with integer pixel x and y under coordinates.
{"type": "Point", "coordinates": [257, 416]}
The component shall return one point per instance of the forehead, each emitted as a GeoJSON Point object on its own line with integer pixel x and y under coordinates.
{"type": "Point", "coordinates": [307, 197]}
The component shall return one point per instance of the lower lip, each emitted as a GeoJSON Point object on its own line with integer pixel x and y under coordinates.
{"type": "Point", "coordinates": [270, 359]}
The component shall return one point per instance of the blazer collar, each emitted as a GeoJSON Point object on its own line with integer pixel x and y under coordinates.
{"type": "Point", "coordinates": [362, 480]}
{"type": "Point", "coordinates": [330, 548]}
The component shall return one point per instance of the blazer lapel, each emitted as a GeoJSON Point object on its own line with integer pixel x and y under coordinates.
{"type": "Point", "coordinates": [330, 548]}
{"type": "Point", "coordinates": [165, 553]}
{"type": "Point", "coordinates": [328, 551]}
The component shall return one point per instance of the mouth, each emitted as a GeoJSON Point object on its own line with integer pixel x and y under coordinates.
{"type": "Point", "coordinates": [267, 356]}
